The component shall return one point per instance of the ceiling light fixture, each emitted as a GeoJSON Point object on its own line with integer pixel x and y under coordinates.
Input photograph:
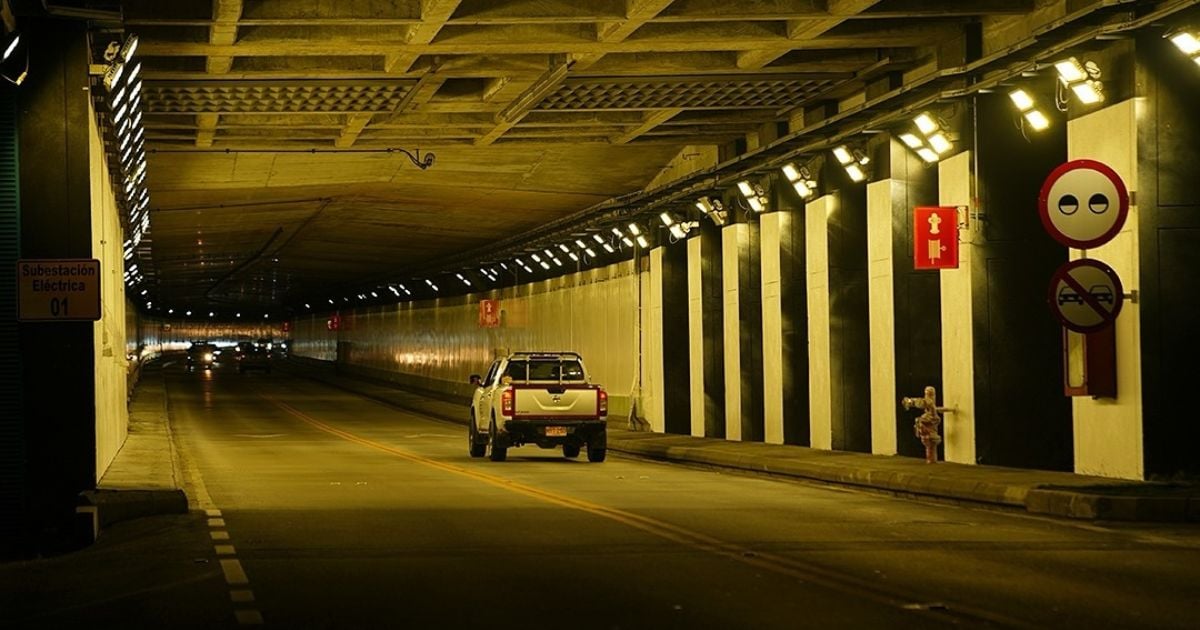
{"type": "Point", "coordinates": [754, 194]}
{"type": "Point", "coordinates": [852, 161]}
{"type": "Point", "coordinates": [1081, 78]}
{"type": "Point", "coordinates": [1187, 43]}
{"type": "Point", "coordinates": [713, 208]}
{"type": "Point", "coordinates": [801, 179]}
{"type": "Point", "coordinates": [1028, 108]}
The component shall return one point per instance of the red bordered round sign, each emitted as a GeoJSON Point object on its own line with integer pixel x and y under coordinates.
{"type": "Point", "coordinates": [1086, 295]}
{"type": "Point", "coordinates": [1083, 204]}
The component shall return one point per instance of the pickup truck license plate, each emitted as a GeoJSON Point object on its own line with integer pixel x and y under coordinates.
{"type": "Point", "coordinates": [556, 431]}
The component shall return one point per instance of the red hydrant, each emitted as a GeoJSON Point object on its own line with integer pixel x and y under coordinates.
{"type": "Point", "coordinates": [926, 425]}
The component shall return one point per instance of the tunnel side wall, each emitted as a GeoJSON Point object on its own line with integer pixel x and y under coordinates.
{"type": "Point", "coordinates": [111, 330]}
{"type": "Point", "coordinates": [436, 344]}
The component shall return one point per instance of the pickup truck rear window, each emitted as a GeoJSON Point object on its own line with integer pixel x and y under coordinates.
{"type": "Point", "coordinates": [549, 370]}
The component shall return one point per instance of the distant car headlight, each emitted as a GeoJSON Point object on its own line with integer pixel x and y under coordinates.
{"type": "Point", "coordinates": [208, 356]}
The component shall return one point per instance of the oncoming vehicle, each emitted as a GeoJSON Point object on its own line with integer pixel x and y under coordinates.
{"type": "Point", "coordinates": [253, 358]}
{"type": "Point", "coordinates": [201, 355]}
{"type": "Point", "coordinates": [542, 398]}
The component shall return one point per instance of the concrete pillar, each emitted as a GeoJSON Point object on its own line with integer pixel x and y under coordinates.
{"type": "Point", "coordinates": [772, 226]}
{"type": "Point", "coordinates": [820, 396]}
{"type": "Point", "coordinates": [733, 239]}
{"type": "Point", "coordinates": [958, 340]}
{"type": "Point", "coordinates": [1109, 432]}
{"type": "Point", "coordinates": [695, 293]}
{"type": "Point", "coordinates": [743, 331]}
{"type": "Point", "coordinates": [784, 321]}
{"type": "Point", "coordinates": [676, 341]}
{"type": "Point", "coordinates": [653, 391]}
{"type": "Point", "coordinates": [706, 332]}
{"type": "Point", "coordinates": [881, 293]}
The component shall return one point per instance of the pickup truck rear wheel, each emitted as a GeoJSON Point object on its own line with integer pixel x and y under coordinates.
{"type": "Point", "coordinates": [570, 451]}
{"type": "Point", "coordinates": [496, 452]}
{"type": "Point", "coordinates": [596, 454]}
{"type": "Point", "coordinates": [474, 447]}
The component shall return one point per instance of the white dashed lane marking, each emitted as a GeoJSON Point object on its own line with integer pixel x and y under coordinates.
{"type": "Point", "coordinates": [219, 535]}
{"type": "Point", "coordinates": [249, 617]}
{"type": "Point", "coordinates": [234, 574]}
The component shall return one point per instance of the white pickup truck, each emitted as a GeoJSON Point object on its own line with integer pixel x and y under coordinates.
{"type": "Point", "coordinates": [542, 398]}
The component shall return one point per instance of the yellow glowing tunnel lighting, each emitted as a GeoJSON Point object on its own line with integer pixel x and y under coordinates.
{"type": "Point", "coordinates": [855, 172]}
{"type": "Point", "coordinates": [12, 46]}
{"type": "Point", "coordinates": [642, 242]}
{"type": "Point", "coordinates": [1088, 92]}
{"type": "Point", "coordinates": [911, 140]}
{"type": "Point", "coordinates": [1187, 43]}
{"type": "Point", "coordinates": [666, 219]}
{"type": "Point", "coordinates": [1071, 71]}
{"type": "Point", "coordinates": [927, 154]}
{"type": "Point", "coordinates": [843, 155]}
{"type": "Point", "coordinates": [1021, 99]}
{"type": "Point", "coordinates": [799, 178]}
{"type": "Point", "coordinates": [752, 196]}
{"type": "Point", "coordinates": [1037, 119]}
{"type": "Point", "coordinates": [940, 143]}
{"type": "Point", "coordinates": [926, 123]}
{"type": "Point", "coordinates": [634, 229]}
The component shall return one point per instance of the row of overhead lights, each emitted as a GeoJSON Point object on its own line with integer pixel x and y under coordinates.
{"type": "Point", "coordinates": [929, 138]}
{"type": "Point", "coordinates": [211, 314]}
{"type": "Point", "coordinates": [123, 86]}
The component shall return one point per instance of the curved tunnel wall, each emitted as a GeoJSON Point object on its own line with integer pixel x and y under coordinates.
{"type": "Point", "coordinates": [436, 344]}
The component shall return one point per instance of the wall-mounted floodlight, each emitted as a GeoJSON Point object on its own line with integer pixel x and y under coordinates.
{"type": "Point", "coordinates": [712, 208]}
{"type": "Point", "coordinates": [567, 250]}
{"type": "Point", "coordinates": [1082, 78]}
{"type": "Point", "coordinates": [801, 180]}
{"type": "Point", "coordinates": [1187, 43]}
{"type": "Point", "coordinates": [679, 230]}
{"type": "Point", "coordinates": [460, 277]}
{"type": "Point", "coordinates": [11, 42]}
{"type": "Point", "coordinates": [667, 219]}
{"type": "Point", "coordinates": [1028, 108]}
{"type": "Point", "coordinates": [852, 161]}
{"type": "Point", "coordinates": [129, 47]}
{"type": "Point", "coordinates": [14, 66]}
{"type": "Point", "coordinates": [931, 139]}
{"type": "Point", "coordinates": [754, 195]}
{"type": "Point", "coordinates": [432, 285]}
{"type": "Point", "coordinates": [112, 76]}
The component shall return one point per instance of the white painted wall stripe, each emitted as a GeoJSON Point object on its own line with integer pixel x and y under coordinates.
{"type": "Point", "coordinates": [882, 316]}
{"type": "Point", "coordinates": [958, 337]}
{"type": "Point", "coordinates": [771, 226]}
{"type": "Point", "coordinates": [820, 387]}
{"type": "Point", "coordinates": [1109, 433]}
{"type": "Point", "coordinates": [653, 350]}
{"type": "Point", "coordinates": [730, 237]}
{"type": "Point", "coordinates": [696, 335]}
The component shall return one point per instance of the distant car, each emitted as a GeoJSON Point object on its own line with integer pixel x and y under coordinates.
{"type": "Point", "coordinates": [253, 358]}
{"type": "Point", "coordinates": [201, 355]}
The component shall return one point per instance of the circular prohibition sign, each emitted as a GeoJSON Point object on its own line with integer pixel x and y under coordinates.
{"type": "Point", "coordinates": [1086, 295]}
{"type": "Point", "coordinates": [1083, 204]}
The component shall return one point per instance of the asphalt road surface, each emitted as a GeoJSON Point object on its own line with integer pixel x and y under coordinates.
{"type": "Point", "coordinates": [320, 509]}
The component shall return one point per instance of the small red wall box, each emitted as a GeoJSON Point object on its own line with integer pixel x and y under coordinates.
{"type": "Point", "coordinates": [489, 313]}
{"type": "Point", "coordinates": [935, 238]}
{"type": "Point", "coordinates": [1090, 363]}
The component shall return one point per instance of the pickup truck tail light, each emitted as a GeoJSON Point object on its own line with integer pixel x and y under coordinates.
{"type": "Point", "coordinates": [506, 402]}
{"type": "Point", "coordinates": [602, 402]}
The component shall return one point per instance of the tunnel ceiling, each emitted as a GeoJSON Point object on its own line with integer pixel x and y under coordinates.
{"type": "Point", "coordinates": [535, 110]}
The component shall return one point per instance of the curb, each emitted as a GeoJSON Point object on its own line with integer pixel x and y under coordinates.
{"type": "Point", "coordinates": [1050, 501]}
{"type": "Point", "coordinates": [101, 508]}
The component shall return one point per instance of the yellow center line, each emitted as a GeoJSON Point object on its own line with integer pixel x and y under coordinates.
{"type": "Point", "coordinates": [652, 526]}
{"type": "Point", "coordinates": [766, 561]}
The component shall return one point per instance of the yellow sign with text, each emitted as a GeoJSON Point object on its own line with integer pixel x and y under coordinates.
{"type": "Point", "coordinates": [58, 290]}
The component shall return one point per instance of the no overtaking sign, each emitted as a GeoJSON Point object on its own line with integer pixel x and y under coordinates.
{"type": "Point", "coordinates": [1086, 295]}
